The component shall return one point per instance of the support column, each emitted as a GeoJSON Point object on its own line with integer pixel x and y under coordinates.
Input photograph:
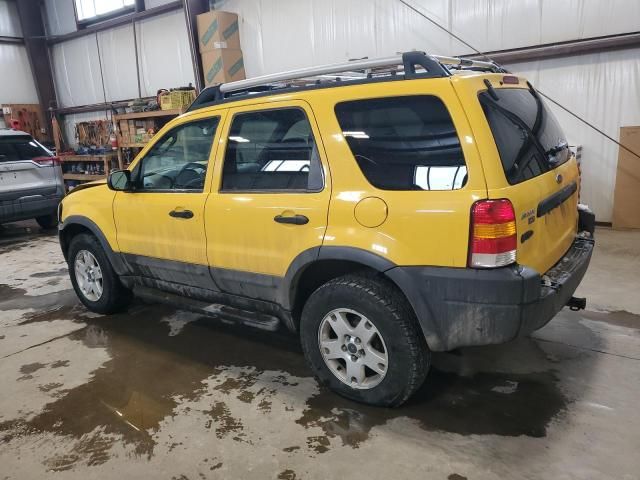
{"type": "Point", "coordinates": [191, 9]}
{"type": "Point", "coordinates": [34, 34]}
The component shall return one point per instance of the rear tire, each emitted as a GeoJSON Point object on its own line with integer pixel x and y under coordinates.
{"type": "Point", "coordinates": [381, 332]}
{"type": "Point", "coordinates": [93, 278]}
{"type": "Point", "coordinates": [47, 221]}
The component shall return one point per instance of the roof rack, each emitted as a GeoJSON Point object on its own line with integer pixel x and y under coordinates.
{"type": "Point", "coordinates": [409, 64]}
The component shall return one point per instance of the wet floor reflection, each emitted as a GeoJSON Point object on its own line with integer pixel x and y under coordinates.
{"type": "Point", "coordinates": [155, 365]}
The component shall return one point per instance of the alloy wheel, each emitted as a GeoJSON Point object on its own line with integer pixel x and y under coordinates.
{"type": "Point", "coordinates": [353, 348]}
{"type": "Point", "coordinates": [88, 275]}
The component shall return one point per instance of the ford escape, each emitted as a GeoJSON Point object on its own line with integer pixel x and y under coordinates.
{"type": "Point", "coordinates": [382, 209]}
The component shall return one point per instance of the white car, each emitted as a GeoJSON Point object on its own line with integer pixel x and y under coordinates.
{"type": "Point", "coordinates": [31, 184]}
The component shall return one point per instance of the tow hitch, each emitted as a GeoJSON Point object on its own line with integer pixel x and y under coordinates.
{"type": "Point", "coordinates": [577, 303]}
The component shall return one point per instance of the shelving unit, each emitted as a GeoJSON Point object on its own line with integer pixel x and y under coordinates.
{"type": "Point", "coordinates": [127, 135]}
{"type": "Point", "coordinates": [85, 177]}
{"type": "Point", "coordinates": [151, 114]}
{"type": "Point", "coordinates": [108, 161]}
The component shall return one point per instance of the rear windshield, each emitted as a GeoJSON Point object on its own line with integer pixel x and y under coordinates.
{"type": "Point", "coordinates": [404, 143]}
{"type": "Point", "coordinates": [528, 137]}
{"type": "Point", "coordinates": [21, 147]}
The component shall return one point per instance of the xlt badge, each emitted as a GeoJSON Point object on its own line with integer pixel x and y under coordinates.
{"type": "Point", "coordinates": [530, 215]}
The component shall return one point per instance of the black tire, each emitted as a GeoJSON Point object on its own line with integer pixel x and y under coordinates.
{"type": "Point", "coordinates": [384, 306]}
{"type": "Point", "coordinates": [47, 221]}
{"type": "Point", "coordinates": [115, 297]}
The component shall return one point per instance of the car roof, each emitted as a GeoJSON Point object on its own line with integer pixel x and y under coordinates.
{"type": "Point", "coordinates": [10, 132]}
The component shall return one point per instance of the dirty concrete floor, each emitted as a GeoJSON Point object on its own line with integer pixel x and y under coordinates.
{"type": "Point", "coordinates": [167, 394]}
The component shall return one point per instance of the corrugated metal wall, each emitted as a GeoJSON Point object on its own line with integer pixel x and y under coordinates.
{"type": "Point", "coordinates": [16, 80]}
{"type": "Point", "coordinates": [603, 88]}
{"type": "Point", "coordinates": [164, 62]}
{"type": "Point", "coordinates": [283, 34]}
{"type": "Point", "coordinates": [59, 17]}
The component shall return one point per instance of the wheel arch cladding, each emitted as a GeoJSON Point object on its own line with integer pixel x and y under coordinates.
{"type": "Point", "coordinates": [75, 225]}
{"type": "Point", "coordinates": [316, 266]}
{"type": "Point", "coordinates": [421, 308]}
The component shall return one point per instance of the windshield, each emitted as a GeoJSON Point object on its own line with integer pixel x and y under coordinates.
{"type": "Point", "coordinates": [528, 136]}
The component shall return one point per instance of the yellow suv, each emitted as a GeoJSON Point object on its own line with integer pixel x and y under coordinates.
{"type": "Point", "coordinates": [381, 208]}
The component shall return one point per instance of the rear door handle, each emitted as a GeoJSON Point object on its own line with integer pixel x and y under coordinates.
{"type": "Point", "coordinates": [292, 219]}
{"type": "Point", "coordinates": [181, 214]}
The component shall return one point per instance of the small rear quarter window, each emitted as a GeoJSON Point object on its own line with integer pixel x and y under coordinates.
{"type": "Point", "coordinates": [404, 143]}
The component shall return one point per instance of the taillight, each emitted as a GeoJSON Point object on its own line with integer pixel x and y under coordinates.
{"type": "Point", "coordinates": [47, 161]}
{"type": "Point", "coordinates": [493, 240]}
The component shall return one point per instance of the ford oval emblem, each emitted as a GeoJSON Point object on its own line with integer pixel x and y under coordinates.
{"type": "Point", "coordinates": [558, 178]}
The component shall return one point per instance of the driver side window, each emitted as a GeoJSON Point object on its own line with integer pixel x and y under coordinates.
{"type": "Point", "coordinates": [179, 160]}
{"type": "Point", "coordinates": [272, 151]}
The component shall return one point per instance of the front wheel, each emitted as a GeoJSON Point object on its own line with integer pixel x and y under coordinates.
{"type": "Point", "coordinates": [93, 278]}
{"type": "Point", "coordinates": [361, 338]}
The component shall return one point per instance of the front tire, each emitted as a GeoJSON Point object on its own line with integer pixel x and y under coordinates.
{"type": "Point", "coordinates": [93, 278]}
{"type": "Point", "coordinates": [361, 339]}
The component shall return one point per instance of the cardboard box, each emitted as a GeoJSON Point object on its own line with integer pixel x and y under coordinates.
{"type": "Point", "coordinates": [222, 65]}
{"type": "Point", "coordinates": [626, 200]}
{"type": "Point", "coordinates": [217, 29]}
{"type": "Point", "coordinates": [124, 132]}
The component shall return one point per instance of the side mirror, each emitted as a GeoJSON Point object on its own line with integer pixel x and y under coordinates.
{"type": "Point", "coordinates": [119, 180]}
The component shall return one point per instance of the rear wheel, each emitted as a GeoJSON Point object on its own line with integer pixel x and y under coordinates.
{"type": "Point", "coordinates": [96, 284]}
{"type": "Point", "coordinates": [361, 339]}
{"type": "Point", "coordinates": [47, 221]}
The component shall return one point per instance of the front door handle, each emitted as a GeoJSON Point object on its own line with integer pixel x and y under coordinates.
{"type": "Point", "coordinates": [181, 214]}
{"type": "Point", "coordinates": [292, 219]}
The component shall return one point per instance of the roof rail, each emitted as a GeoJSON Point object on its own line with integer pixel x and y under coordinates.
{"type": "Point", "coordinates": [410, 64]}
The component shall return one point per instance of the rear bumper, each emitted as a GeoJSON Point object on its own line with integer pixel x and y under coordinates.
{"type": "Point", "coordinates": [459, 307]}
{"type": "Point", "coordinates": [29, 207]}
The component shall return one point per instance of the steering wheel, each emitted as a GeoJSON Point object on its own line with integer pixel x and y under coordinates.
{"type": "Point", "coordinates": [193, 166]}
{"type": "Point", "coordinates": [196, 168]}
{"type": "Point", "coordinates": [169, 179]}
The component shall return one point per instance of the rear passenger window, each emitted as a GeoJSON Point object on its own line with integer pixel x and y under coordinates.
{"type": "Point", "coordinates": [404, 143]}
{"type": "Point", "coordinates": [271, 150]}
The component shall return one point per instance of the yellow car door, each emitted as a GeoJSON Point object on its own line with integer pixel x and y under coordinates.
{"type": "Point", "coordinates": [160, 223]}
{"type": "Point", "coordinates": [270, 197]}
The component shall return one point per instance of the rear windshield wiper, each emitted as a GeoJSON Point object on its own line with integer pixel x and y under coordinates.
{"type": "Point", "coordinates": [553, 151]}
{"type": "Point", "coordinates": [557, 149]}
{"type": "Point", "coordinates": [518, 122]}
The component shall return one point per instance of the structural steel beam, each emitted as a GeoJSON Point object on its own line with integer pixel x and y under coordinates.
{"type": "Point", "coordinates": [95, 107]}
{"type": "Point", "coordinates": [34, 39]}
{"type": "Point", "coordinates": [563, 49]}
{"type": "Point", "coordinates": [11, 40]}
{"type": "Point", "coordinates": [139, 6]}
{"type": "Point", "coordinates": [191, 9]}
